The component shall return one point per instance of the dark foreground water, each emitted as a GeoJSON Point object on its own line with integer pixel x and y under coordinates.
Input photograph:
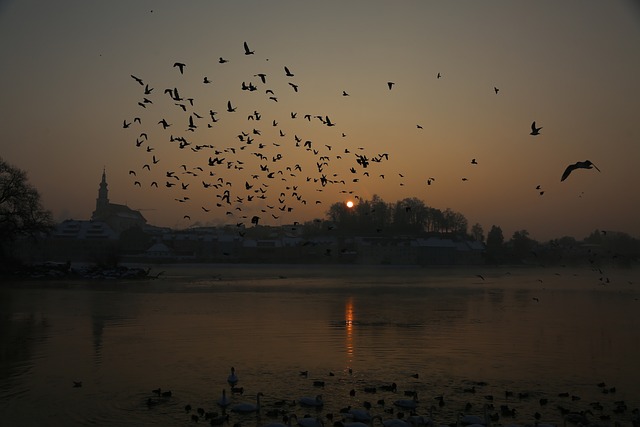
{"type": "Point", "coordinates": [535, 340]}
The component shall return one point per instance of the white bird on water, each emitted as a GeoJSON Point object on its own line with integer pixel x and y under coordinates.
{"type": "Point", "coordinates": [246, 407]}
{"type": "Point", "coordinates": [315, 402]}
{"type": "Point", "coordinates": [395, 422]}
{"type": "Point", "coordinates": [232, 379]}
{"type": "Point", "coordinates": [407, 403]}
{"type": "Point", "coordinates": [224, 401]}
{"type": "Point", "coordinates": [360, 415]}
{"type": "Point", "coordinates": [309, 421]}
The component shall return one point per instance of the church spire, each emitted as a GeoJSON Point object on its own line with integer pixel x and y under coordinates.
{"type": "Point", "coordinates": [103, 200]}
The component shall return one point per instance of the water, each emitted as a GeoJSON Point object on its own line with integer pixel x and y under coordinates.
{"type": "Point", "coordinates": [535, 332]}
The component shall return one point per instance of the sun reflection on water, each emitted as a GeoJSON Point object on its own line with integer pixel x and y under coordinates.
{"type": "Point", "coordinates": [348, 321]}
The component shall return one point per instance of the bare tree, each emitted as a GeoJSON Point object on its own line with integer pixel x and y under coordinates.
{"type": "Point", "coordinates": [21, 213]}
{"type": "Point", "coordinates": [477, 233]}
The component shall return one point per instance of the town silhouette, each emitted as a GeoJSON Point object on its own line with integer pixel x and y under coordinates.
{"type": "Point", "coordinates": [371, 232]}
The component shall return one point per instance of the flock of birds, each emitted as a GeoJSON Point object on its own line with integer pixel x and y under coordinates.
{"type": "Point", "coordinates": [371, 404]}
{"type": "Point", "coordinates": [266, 171]}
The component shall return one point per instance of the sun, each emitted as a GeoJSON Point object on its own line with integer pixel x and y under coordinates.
{"type": "Point", "coordinates": [349, 204]}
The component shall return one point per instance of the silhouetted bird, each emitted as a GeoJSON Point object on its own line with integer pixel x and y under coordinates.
{"type": "Point", "coordinates": [287, 72]}
{"type": "Point", "coordinates": [534, 130]}
{"type": "Point", "coordinates": [180, 66]}
{"type": "Point", "coordinates": [579, 165]}
{"type": "Point", "coordinates": [246, 49]}
{"type": "Point", "coordinates": [390, 84]}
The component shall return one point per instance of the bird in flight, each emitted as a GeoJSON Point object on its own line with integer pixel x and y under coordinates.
{"type": "Point", "coordinates": [534, 130]}
{"type": "Point", "coordinates": [390, 84]}
{"type": "Point", "coordinates": [180, 66]}
{"type": "Point", "coordinates": [578, 165]}
{"type": "Point", "coordinates": [287, 72]}
{"type": "Point", "coordinates": [246, 49]}
{"type": "Point", "coordinates": [222, 60]}
{"type": "Point", "coordinates": [496, 90]}
{"type": "Point", "coordinates": [230, 108]}
{"type": "Point", "coordinates": [139, 80]}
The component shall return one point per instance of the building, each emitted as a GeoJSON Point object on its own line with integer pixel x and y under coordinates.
{"type": "Point", "coordinates": [118, 217]}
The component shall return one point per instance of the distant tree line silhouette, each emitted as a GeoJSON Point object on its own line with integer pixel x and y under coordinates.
{"type": "Point", "coordinates": [22, 215]}
{"type": "Point", "coordinates": [408, 216]}
{"type": "Point", "coordinates": [598, 249]}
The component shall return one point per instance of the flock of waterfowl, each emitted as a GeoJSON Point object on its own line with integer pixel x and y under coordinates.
{"type": "Point", "coordinates": [347, 399]}
{"type": "Point", "coordinates": [266, 171]}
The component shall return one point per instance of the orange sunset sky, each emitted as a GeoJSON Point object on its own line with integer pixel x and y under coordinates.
{"type": "Point", "coordinates": [571, 66]}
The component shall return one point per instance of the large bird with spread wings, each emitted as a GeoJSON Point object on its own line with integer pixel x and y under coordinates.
{"type": "Point", "coordinates": [578, 165]}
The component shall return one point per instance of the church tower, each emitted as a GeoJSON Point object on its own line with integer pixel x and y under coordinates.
{"type": "Point", "coordinates": [119, 217]}
{"type": "Point", "coordinates": [103, 200]}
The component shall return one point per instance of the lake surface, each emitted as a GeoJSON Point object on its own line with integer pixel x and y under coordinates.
{"type": "Point", "coordinates": [511, 337]}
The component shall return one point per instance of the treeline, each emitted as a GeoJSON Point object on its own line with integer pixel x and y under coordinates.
{"type": "Point", "coordinates": [600, 248]}
{"type": "Point", "coordinates": [410, 217]}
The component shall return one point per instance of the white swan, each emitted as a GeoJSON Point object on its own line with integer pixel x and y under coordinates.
{"type": "Point", "coordinates": [394, 422]}
{"type": "Point", "coordinates": [309, 421]}
{"type": "Point", "coordinates": [420, 420]}
{"type": "Point", "coordinates": [474, 420]}
{"type": "Point", "coordinates": [353, 424]}
{"type": "Point", "coordinates": [232, 379]}
{"type": "Point", "coordinates": [315, 402]}
{"type": "Point", "coordinates": [246, 407]}
{"type": "Point", "coordinates": [407, 403]}
{"type": "Point", "coordinates": [223, 401]}
{"type": "Point", "coordinates": [359, 415]}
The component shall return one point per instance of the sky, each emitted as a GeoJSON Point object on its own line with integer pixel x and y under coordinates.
{"type": "Point", "coordinates": [572, 67]}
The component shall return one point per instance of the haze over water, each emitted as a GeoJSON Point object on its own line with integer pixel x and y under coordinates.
{"type": "Point", "coordinates": [536, 331]}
